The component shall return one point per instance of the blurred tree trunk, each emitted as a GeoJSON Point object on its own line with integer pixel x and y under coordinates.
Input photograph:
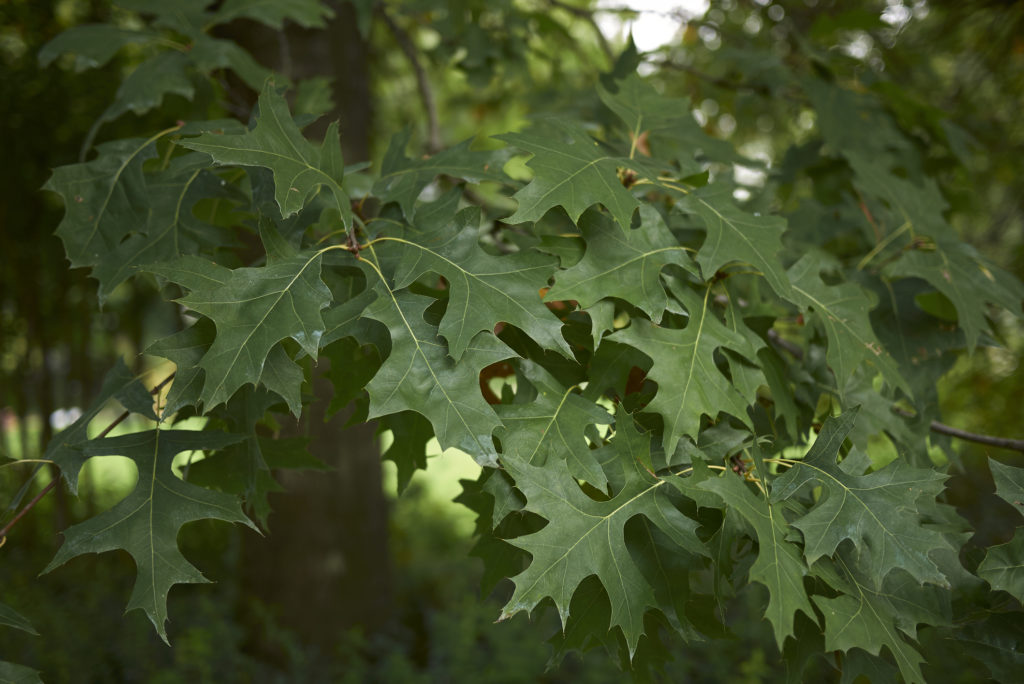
{"type": "Point", "coordinates": [325, 565]}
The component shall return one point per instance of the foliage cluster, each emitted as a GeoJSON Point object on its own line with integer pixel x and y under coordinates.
{"type": "Point", "coordinates": [676, 384]}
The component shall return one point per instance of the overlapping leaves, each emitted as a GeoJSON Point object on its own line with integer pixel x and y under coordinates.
{"type": "Point", "coordinates": [618, 516]}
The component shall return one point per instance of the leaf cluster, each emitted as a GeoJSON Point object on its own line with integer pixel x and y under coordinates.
{"type": "Point", "coordinates": [671, 391]}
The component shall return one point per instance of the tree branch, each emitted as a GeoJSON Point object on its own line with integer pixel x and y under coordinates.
{"type": "Point", "coordinates": [422, 82]}
{"type": "Point", "coordinates": [587, 16]}
{"type": "Point", "coordinates": [988, 440]}
{"type": "Point", "coordinates": [935, 426]}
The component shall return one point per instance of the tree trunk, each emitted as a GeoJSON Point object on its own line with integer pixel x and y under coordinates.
{"type": "Point", "coordinates": [325, 565]}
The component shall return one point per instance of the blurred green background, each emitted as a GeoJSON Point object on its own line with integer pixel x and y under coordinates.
{"type": "Point", "coordinates": [966, 59]}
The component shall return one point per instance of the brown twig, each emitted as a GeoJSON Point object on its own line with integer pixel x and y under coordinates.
{"type": "Point", "coordinates": [422, 82]}
{"type": "Point", "coordinates": [53, 483]}
{"type": "Point", "coordinates": [26, 509]}
{"type": "Point", "coordinates": [934, 426]}
{"type": "Point", "coordinates": [988, 440]}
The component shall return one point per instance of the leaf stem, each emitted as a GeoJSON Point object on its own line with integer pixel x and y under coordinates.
{"type": "Point", "coordinates": [886, 241]}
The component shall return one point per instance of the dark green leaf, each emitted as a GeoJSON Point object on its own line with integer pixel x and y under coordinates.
{"type": "Point", "coordinates": [147, 521]}
{"type": "Point", "coordinates": [878, 512]}
{"type": "Point", "coordinates": [299, 168]}
{"type": "Point", "coordinates": [624, 266]}
{"type": "Point", "coordinates": [420, 376]}
{"type": "Point", "coordinates": [571, 171]}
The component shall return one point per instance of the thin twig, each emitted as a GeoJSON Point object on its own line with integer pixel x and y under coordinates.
{"type": "Point", "coordinates": [26, 509]}
{"type": "Point", "coordinates": [587, 16]}
{"type": "Point", "coordinates": [726, 84]}
{"type": "Point", "coordinates": [422, 82]}
{"type": "Point", "coordinates": [794, 349]}
{"type": "Point", "coordinates": [935, 426]}
{"type": "Point", "coordinates": [988, 440]}
{"type": "Point", "coordinates": [53, 483]}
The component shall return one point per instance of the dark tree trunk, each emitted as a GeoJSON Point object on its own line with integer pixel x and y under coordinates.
{"type": "Point", "coordinates": [325, 565]}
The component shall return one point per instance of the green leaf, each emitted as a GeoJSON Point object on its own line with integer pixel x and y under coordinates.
{"type": "Point", "coordinates": [571, 171]}
{"type": "Point", "coordinates": [551, 427]}
{"type": "Point", "coordinates": [92, 44]}
{"type": "Point", "coordinates": [104, 199]}
{"type": "Point", "coordinates": [276, 143]}
{"type": "Point", "coordinates": [172, 229]}
{"type": "Point", "coordinates": [65, 448]}
{"type": "Point", "coordinates": [12, 618]}
{"type": "Point", "coordinates": [11, 673]}
{"type": "Point", "coordinates": [864, 616]}
{"type": "Point", "coordinates": [669, 120]}
{"type": "Point", "coordinates": [624, 266]}
{"type": "Point", "coordinates": [305, 13]}
{"type": "Point", "coordinates": [1003, 566]}
{"type": "Point", "coordinates": [779, 566]}
{"type": "Point", "coordinates": [484, 289]}
{"type": "Point", "coordinates": [185, 349]}
{"type": "Point", "coordinates": [403, 179]}
{"type": "Point", "coordinates": [253, 309]}
{"type": "Point", "coordinates": [210, 54]}
{"type": "Point", "coordinates": [408, 451]}
{"type": "Point", "coordinates": [879, 512]}
{"type": "Point", "coordinates": [958, 272]}
{"type": "Point", "coordinates": [735, 235]}
{"type": "Point", "coordinates": [420, 376]}
{"type": "Point", "coordinates": [147, 521]}
{"type": "Point", "coordinates": [843, 310]}
{"type": "Point", "coordinates": [166, 73]}
{"type": "Point", "coordinates": [586, 537]}
{"type": "Point", "coordinates": [689, 383]}
{"type": "Point", "coordinates": [1009, 484]}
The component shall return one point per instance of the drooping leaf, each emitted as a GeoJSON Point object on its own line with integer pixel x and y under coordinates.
{"type": "Point", "coordinates": [735, 235]}
{"type": "Point", "coordinates": [586, 537]}
{"type": "Point", "coordinates": [667, 120]}
{"type": "Point", "coordinates": [12, 673]}
{"type": "Point", "coordinates": [624, 266]}
{"type": "Point", "coordinates": [305, 13]}
{"type": "Point", "coordinates": [12, 618]}
{"type": "Point", "coordinates": [1003, 566]}
{"type": "Point", "coordinates": [185, 349]}
{"type": "Point", "coordinates": [571, 171]}
{"type": "Point", "coordinates": [869, 617]}
{"type": "Point", "coordinates": [144, 89]}
{"type": "Point", "coordinates": [210, 54]}
{"type": "Point", "coordinates": [253, 309]}
{"type": "Point", "coordinates": [276, 143]}
{"type": "Point", "coordinates": [403, 179]}
{"type": "Point", "coordinates": [958, 272]}
{"type": "Point", "coordinates": [65, 448]}
{"type": "Point", "coordinates": [104, 199]}
{"type": "Point", "coordinates": [551, 427]}
{"type": "Point", "coordinates": [1009, 484]}
{"type": "Point", "coordinates": [843, 311]}
{"type": "Point", "coordinates": [93, 45]}
{"type": "Point", "coordinates": [689, 383]}
{"type": "Point", "coordinates": [484, 289]}
{"type": "Point", "coordinates": [779, 566]}
{"type": "Point", "coordinates": [146, 522]}
{"type": "Point", "coordinates": [172, 229]}
{"type": "Point", "coordinates": [410, 433]}
{"type": "Point", "coordinates": [878, 512]}
{"type": "Point", "coordinates": [420, 376]}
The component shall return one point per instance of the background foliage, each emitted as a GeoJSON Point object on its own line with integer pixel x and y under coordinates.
{"type": "Point", "coordinates": [797, 240]}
